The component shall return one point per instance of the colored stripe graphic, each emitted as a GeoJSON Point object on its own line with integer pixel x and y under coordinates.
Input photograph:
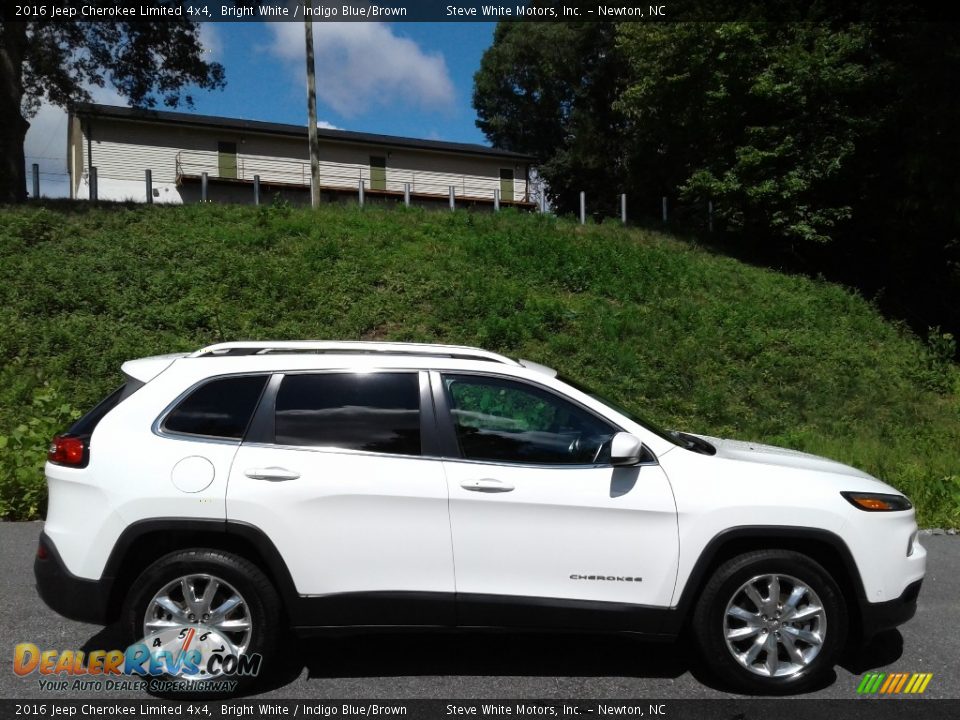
{"type": "Point", "coordinates": [870, 683]}
{"type": "Point", "coordinates": [894, 683]}
{"type": "Point", "coordinates": [918, 683]}
{"type": "Point", "coordinates": [891, 681]}
{"type": "Point", "coordinates": [903, 680]}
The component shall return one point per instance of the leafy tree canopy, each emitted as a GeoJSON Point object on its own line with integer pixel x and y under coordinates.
{"type": "Point", "coordinates": [828, 142]}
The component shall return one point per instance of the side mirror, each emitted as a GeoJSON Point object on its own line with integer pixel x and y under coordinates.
{"type": "Point", "coordinates": [625, 449]}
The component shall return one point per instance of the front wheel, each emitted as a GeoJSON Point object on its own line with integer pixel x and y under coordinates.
{"type": "Point", "coordinates": [771, 622]}
{"type": "Point", "coordinates": [208, 618]}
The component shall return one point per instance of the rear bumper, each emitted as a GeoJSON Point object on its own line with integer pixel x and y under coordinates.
{"type": "Point", "coordinates": [877, 617]}
{"type": "Point", "coordinates": [63, 592]}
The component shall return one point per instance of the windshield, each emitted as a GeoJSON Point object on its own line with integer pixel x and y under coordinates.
{"type": "Point", "coordinates": [671, 436]}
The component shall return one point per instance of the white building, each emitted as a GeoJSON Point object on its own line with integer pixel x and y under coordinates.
{"type": "Point", "coordinates": [180, 149]}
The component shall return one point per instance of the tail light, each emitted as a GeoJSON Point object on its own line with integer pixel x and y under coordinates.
{"type": "Point", "coordinates": [68, 450]}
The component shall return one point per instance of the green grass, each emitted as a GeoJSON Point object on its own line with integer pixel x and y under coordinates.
{"type": "Point", "coordinates": [690, 339]}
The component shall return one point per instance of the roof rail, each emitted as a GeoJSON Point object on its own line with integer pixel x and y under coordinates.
{"type": "Point", "coordinates": [288, 347]}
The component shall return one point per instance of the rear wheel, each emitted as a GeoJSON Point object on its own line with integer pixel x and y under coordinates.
{"type": "Point", "coordinates": [213, 604]}
{"type": "Point", "coordinates": [771, 622]}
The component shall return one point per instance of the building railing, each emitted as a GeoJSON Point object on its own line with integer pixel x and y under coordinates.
{"type": "Point", "coordinates": [346, 176]}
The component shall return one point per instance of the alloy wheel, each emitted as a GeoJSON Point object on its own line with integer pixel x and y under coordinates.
{"type": "Point", "coordinates": [205, 601]}
{"type": "Point", "coordinates": [775, 625]}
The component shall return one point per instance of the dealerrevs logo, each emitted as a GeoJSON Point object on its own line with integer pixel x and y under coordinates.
{"type": "Point", "coordinates": [191, 658]}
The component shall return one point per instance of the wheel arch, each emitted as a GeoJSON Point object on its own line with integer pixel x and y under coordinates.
{"type": "Point", "coordinates": [145, 542]}
{"type": "Point", "coordinates": [822, 546]}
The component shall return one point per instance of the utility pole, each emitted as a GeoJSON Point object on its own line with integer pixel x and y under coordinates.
{"type": "Point", "coordinates": [312, 112]}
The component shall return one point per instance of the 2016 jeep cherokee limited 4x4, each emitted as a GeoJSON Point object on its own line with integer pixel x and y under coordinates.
{"type": "Point", "coordinates": [252, 486]}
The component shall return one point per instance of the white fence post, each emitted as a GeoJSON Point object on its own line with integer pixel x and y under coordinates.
{"type": "Point", "coordinates": [204, 182]}
{"type": "Point", "coordinates": [623, 208]}
{"type": "Point", "coordinates": [361, 192]}
{"type": "Point", "coordinates": [256, 189]}
{"type": "Point", "coordinates": [496, 199]}
{"type": "Point", "coordinates": [583, 208]}
{"type": "Point", "coordinates": [453, 205]}
{"type": "Point", "coordinates": [406, 194]}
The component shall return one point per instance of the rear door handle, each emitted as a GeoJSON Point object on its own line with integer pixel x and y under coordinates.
{"type": "Point", "coordinates": [271, 473]}
{"type": "Point", "coordinates": [486, 485]}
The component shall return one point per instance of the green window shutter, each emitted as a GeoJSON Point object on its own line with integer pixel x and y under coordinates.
{"type": "Point", "coordinates": [227, 152]}
{"type": "Point", "coordinates": [506, 184]}
{"type": "Point", "coordinates": [378, 173]}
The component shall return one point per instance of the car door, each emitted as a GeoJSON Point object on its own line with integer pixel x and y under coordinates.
{"type": "Point", "coordinates": [539, 517]}
{"type": "Point", "coordinates": [332, 470]}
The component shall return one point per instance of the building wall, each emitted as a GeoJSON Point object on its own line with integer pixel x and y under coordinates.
{"type": "Point", "coordinates": [122, 150]}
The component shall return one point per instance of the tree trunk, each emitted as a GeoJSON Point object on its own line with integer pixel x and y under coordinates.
{"type": "Point", "coordinates": [13, 126]}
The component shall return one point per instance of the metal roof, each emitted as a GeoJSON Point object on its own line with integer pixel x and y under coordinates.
{"type": "Point", "coordinates": [257, 126]}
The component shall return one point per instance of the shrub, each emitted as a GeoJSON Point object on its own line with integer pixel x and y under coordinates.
{"type": "Point", "coordinates": [23, 490]}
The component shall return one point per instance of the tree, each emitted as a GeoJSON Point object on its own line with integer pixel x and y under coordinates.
{"type": "Point", "coordinates": [826, 138]}
{"type": "Point", "coordinates": [547, 89]}
{"type": "Point", "coordinates": [145, 61]}
{"type": "Point", "coordinates": [763, 118]}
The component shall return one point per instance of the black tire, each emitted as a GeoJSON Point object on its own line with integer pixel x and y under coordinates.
{"type": "Point", "coordinates": [261, 603]}
{"type": "Point", "coordinates": [711, 626]}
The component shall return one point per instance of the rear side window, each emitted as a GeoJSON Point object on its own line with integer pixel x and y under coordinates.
{"type": "Point", "coordinates": [86, 425]}
{"type": "Point", "coordinates": [220, 408]}
{"type": "Point", "coordinates": [374, 412]}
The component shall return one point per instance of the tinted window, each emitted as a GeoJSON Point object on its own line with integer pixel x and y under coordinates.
{"type": "Point", "coordinates": [89, 422]}
{"type": "Point", "coordinates": [220, 408]}
{"type": "Point", "coordinates": [515, 422]}
{"type": "Point", "coordinates": [378, 412]}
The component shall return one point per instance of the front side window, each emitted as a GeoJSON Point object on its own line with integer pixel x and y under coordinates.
{"type": "Point", "coordinates": [373, 412]}
{"type": "Point", "coordinates": [221, 408]}
{"type": "Point", "coordinates": [508, 421]}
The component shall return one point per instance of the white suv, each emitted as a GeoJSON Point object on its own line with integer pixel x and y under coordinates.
{"type": "Point", "coordinates": [248, 487]}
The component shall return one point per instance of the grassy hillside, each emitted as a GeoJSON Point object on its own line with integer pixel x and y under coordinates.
{"type": "Point", "coordinates": [690, 339]}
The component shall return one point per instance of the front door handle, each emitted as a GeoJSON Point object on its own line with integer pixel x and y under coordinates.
{"type": "Point", "coordinates": [271, 473]}
{"type": "Point", "coordinates": [486, 485]}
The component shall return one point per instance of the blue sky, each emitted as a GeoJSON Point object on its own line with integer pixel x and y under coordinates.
{"type": "Point", "coordinates": [410, 79]}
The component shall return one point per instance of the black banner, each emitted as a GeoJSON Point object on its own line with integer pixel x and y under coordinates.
{"type": "Point", "coordinates": [744, 709]}
{"type": "Point", "coordinates": [473, 11]}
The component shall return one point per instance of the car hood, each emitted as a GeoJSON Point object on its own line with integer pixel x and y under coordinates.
{"type": "Point", "coordinates": [782, 457]}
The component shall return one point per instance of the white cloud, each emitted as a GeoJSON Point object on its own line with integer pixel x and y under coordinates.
{"type": "Point", "coordinates": [324, 125]}
{"type": "Point", "coordinates": [211, 41]}
{"type": "Point", "coordinates": [364, 65]}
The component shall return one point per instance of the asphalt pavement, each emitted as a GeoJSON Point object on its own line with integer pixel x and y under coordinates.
{"type": "Point", "coordinates": [481, 665]}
